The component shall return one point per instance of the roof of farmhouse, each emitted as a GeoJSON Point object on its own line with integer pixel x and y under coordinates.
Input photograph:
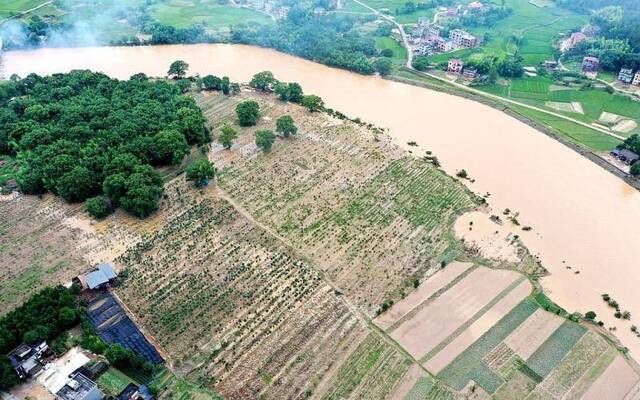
{"type": "Point", "coordinates": [103, 274]}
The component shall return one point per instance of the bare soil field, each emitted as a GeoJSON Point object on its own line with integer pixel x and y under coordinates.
{"type": "Point", "coordinates": [478, 328]}
{"type": "Point", "coordinates": [36, 247]}
{"type": "Point", "coordinates": [614, 383]}
{"type": "Point", "coordinates": [526, 339]}
{"type": "Point", "coordinates": [431, 325]}
{"type": "Point", "coordinates": [439, 281]}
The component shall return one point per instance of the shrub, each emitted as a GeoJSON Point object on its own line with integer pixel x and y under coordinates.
{"type": "Point", "coordinates": [98, 207]}
{"type": "Point", "coordinates": [265, 139]}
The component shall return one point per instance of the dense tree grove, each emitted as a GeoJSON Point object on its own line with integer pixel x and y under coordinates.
{"type": "Point", "coordinates": [82, 134]}
{"type": "Point", "coordinates": [631, 143]}
{"type": "Point", "coordinates": [45, 315]}
{"type": "Point", "coordinates": [327, 39]}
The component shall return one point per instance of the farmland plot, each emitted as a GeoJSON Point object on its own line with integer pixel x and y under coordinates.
{"type": "Point", "coordinates": [231, 306]}
{"type": "Point", "coordinates": [353, 202]}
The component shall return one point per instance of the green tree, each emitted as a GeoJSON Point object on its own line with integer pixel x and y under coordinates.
{"type": "Point", "coordinates": [234, 89]}
{"type": "Point", "coordinates": [8, 377]}
{"type": "Point", "coordinates": [635, 169]}
{"type": "Point", "coordinates": [170, 147]}
{"type": "Point", "coordinates": [263, 81]}
{"type": "Point", "coordinates": [98, 207]}
{"type": "Point", "coordinates": [227, 136]}
{"type": "Point", "coordinates": [294, 93]}
{"type": "Point", "coordinates": [115, 187]}
{"type": "Point", "coordinates": [383, 66]}
{"type": "Point", "coordinates": [143, 191]}
{"type": "Point", "coordinates": [77, 184]}
{"type": "Point", "coordinates": [591, 315]}
{"type": "Point", "coordinates": [191, 123]}
{"type": "Point", "coordinates": [265, 139]}
{"type": "Point", "coordinates": [226, 85]}
{"type": "Point", "coordinates": [178, 69]}
{"type": "Point", "coordinates": [211, 82]}
{"type": "Point", "coordinates": [248, 113]}
{"type": "Point", "coordinates": [313, 103]}
{"type": "Point", "coordinates": [200, 172]}
{"type": "Point", "coordinates": [286, 126]}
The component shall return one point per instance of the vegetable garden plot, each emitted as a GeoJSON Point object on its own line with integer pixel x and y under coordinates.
{"type": "Point", "coordinates": [371, 371]}
{"type": "Point", "coordinates": [469, 365]}
{"type": "Point", "coordinates": [553, 350]}
{"type": "Point", "coordinates": [264, 321]}
{"type": "Point", "coordinates": [533, 332]}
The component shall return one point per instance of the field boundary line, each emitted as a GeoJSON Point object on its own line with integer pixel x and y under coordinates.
{"type": "Point", "coordinates": [426, 302]}
{"type": "Point", "coordinates": [440, 346]}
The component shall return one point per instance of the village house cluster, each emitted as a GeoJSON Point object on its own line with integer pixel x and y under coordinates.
{"type": "Point", "coordinates": [627, 76]}
{"type": "Point", "coordinates": [456, 67]}
{"type": "Point", "coordinates": [427, 37]}
{"type": "Point", "coordinates": [72, 376]}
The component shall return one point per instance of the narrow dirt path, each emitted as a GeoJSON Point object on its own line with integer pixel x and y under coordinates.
{"type": "Point", "coordinates": [21, 13]}
{"type": "Point", "coordinates": [220, 193]}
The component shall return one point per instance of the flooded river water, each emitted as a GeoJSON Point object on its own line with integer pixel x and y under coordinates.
{"type": "Point", "coordinates": [582, 216]}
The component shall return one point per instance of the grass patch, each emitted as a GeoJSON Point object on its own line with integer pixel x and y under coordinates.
{"type": "Point", "coordinates": [183, 14]}
{"type": "Point", "coordinates": [113, 381]}
{"type": "Point", "coordinates": [399, 52]}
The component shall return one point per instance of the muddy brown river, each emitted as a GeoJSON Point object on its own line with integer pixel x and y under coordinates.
{"type": "Point", "coordinates": [582, 216]}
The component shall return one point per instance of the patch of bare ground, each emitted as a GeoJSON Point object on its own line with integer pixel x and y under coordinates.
{"type": "Point", "coordinates": [37, 247]}
{"type": "Point", "coordinates": [368, 214]}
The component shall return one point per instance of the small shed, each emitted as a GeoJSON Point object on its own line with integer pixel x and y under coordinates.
{"type": "Point", "coordinates": [101, 276]}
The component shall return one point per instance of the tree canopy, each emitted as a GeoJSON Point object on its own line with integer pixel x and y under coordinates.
{"type": "Point", "coordinates": [227, 136]}
{"type": "Point", "coordinates": [313, 103]}
{"type": "Point", "coordinates": [248, 113]}
{"type": "Point", "coordinates": [200, 172]}
{"type": "Point", "coordinates": [82, 134]}
{"type": "Point", "coordinates": [265, 139]}
{"type": "Point", "coordinates": [286, 126]}
{"type": "Point", "coordinates": [263, 81]}
{"type": "Point", "coordinates": [178, 69]}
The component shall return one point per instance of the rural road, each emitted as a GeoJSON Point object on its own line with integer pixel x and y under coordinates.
{"type": "Point", "coordinates": [409, 65]}
{"type": "Point", "coordinates": [21, 13]}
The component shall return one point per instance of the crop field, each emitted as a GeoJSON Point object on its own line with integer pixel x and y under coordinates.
{"type": "Point", "coordinates": [113, 381]}
{"type": "Point", "coordinates": [37, 246]}
{"type": "Point", "coordinates": [368, 215]}
{"type": "Point", "coordinates": [183, 14]}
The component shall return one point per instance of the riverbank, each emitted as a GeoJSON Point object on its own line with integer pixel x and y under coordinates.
{"type": "Point", "coordinates": [546, 129]}
{"type": "Point", "coordinates": [563, 196]}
